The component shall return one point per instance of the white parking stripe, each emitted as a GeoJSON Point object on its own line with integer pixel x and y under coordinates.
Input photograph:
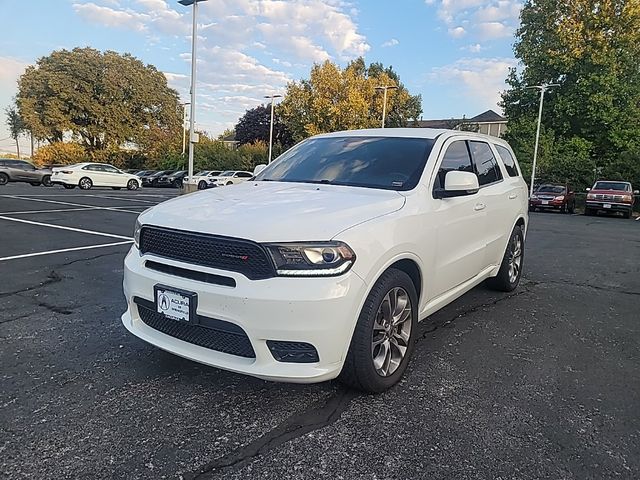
{"type": "Point", "coordinates": [62, 250]}
{"type": "Point", "coordinates": [123, 198]}
{"type": "Point", "coordinates": [62, 210]}
{"type": "Point", "coordinates": [61, 227]}
{"type": "Point", "coordinates": [114, 209]}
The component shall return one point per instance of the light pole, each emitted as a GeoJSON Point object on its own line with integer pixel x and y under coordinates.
{"type": "Point", "coordinates": [184, 126]}
{"type": "Point", "coordinates": [192, 115]}
{"type": "Point", "coordinates": [543, 88]}
{"type": "Point", "coordinates": [384, 102]}
{"type": "Point", "coordinates": [272, 97]}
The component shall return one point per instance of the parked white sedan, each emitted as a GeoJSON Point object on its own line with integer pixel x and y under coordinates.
{"type": "Point", "coordinates": [230, 177]}
{"type": "Point", "coordinates": [201, 179]}
{"type": "Point", "coordinates": [88, 175]}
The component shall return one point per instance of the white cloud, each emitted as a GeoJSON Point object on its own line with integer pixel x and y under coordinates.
{"type": "Point", "coordinates": [473, 48]}
{"type": "Point", "coordinates": [246, 47]}
{"type": "Point", "coordinates": [482, 19]}
{"type": "Point", "coordinates": [391, 43]}
{"type": "Point", "coordinates": [482, 79]}
{"type": "Point", "coordinates": [457, 32]}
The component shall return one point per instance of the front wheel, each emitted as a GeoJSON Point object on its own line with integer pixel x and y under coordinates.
{"type": "Point", "coordinates": [229, 183]}
{"type": "Point", "coordinates": [510, 271]}
{"type": "Point", "coordinates": [627, 214]}
{"type": "Point", "coordinates": [572, 208]}
{"type": "Point", "coordinates": [85, 183]}
{"type": "Point", "coordinates": [202, 185]}
{"type": "Point", "coordinates": [132, 185]}
{"type": "Point", "coordinates": [46, 181]}
{"type": "Point", "coordinates": [4, 178]}
{"type": "Point", "coordinates": [384, 337]}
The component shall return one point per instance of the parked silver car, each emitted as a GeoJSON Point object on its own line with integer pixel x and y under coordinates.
{"type": "Point", "coordinates": [20, 171]}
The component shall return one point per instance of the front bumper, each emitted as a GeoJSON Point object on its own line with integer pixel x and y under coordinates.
{"type": "Point", "coordinates": [614, 207]}
{"type": "Point", "coordinates": [548, 204]}
{"type": "Point", "coordinates": [318, 311]}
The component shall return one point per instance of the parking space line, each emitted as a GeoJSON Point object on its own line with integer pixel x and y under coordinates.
{"type": "Point", "coordinates": [62, 210]}
{"type": "Point", "coordinates": [123, 198]}
{"type": "Point", "coordinates": [95, 207]}
{"type": "Point", "coordinates": [61, 227]}
{"type": "Point", "coordinates": [62, 250]}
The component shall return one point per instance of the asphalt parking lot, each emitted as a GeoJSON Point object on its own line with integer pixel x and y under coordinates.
{"type": "Point", "coordinates": [540, 383]}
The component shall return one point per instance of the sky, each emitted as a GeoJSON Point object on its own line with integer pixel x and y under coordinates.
{"type": "Point", "coordinates": [455, 53]}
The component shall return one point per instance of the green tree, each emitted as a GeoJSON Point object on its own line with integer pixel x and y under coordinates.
{"type": "Point", "coordinates": [255, 124]}
{"type": "Point", "coordinates": [344, 99]}
{"type": "Point", "coordinates": [591, 48]}
{"type": "Point", "coordinates": [105, 100]}
{"type": "Point", "coordinates": [16, 126]}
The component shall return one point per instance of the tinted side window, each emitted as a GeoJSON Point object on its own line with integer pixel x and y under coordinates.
{"type": "Point", "coordinates": [455, 158]}
{"type": "Point", "coordinates": [110, 169]}
{"type": "Point", "coordinates": [508, 160]}
{"type": "Point", "coordinates": [244, 175]}
{"type": "Point", "coordinates": [486, 165]}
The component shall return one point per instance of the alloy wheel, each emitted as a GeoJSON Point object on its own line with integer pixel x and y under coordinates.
{"type": "Point", "coordinates": [391, 331]}
{"type": "Point", "coordinates": [515, 259]}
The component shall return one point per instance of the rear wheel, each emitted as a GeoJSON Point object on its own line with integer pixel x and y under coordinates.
{"type": "Point", "coordinates": [510, 271]}
{"type": "Point", "coordinates": [202, 185]}
{"type": "Point", "coordinates": [68, 187]}
{"type": "Point", "coordinates": [132, 185]}
{"type": "Point", "coordinates": [4, 178]}
{"type": "Point", "coordinates": [85, 183]}
{"type": "Point", "coordinates": [384, 337]}
{"type": "Point", "coordinates": [46, 181]}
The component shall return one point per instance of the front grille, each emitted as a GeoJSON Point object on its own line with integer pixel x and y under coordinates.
{"type": "Point", "coordinates": [608, 198]}
{"type": "Point", "coordinates": [208, 333]}
{"type": "Point", "coordinates": [232, 254]}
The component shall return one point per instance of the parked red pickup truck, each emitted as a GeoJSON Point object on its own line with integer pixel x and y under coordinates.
{"type": "Point", "coordinates": [610, 196]}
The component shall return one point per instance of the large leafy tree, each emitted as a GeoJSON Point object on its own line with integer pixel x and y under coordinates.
{"type": "Point", "coordinates": [255, 124]}
{"type": "Point", "coordinates": [591, 122]}
{"type": "Point", "coordinates": [344, 99]}
{"type": "Point", "coordinates": [105, 100]}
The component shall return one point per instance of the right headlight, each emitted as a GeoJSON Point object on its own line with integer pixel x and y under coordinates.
{"type": "Point", "coordinates": [314, 259]}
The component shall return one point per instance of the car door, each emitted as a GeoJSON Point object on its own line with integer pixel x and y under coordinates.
{"type": "Point", "coordinates": [114, 177]}
{"type": "Point", "coordinates": [21, 171]}
{"type": "Point", "coordinates": [495, 193]}
{"type": "Point", "coordinates": [95, 173]}
{"type": "Point", "coordinates": [459, 222]}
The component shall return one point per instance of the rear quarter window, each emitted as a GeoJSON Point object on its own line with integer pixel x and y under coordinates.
{"type": "Point", "coordinates": [486, 164]}
{"type": "Point", "coordinates": [508, 160]}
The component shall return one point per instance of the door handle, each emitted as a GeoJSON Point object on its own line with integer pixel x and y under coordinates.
{"type": "Point", "coordinates": [513, 196]}
{"type": "Point", "coordinates": [479, 206]}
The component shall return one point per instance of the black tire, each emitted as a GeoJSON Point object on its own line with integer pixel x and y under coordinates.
{"type": "Point", "coordinates": [572, 208]}
{"type": "Point", "coordinates": [116, 188]}
{"type": "Point", "coordinates": [85, 183]}
{"type": "Point", "coordinates": [564, 208]}
{"type": "Point", "coordinates": [133, 184]}
{"type": "Point", "coordinates": [627, 214]}
{"type": "Point", "coordinates": [229, 183]}
{"type": "Point", "coordinates": [34, 184]}
{"type": "Point", "coordinates": [359, 371]}
{"type": "Point", "coordinates": [202, 185]}
{"type": "Point", "coordinates": [4, 178]}
{"type": "Point", "coordinates": [46, 181]}
{"type": "Point", "coordinates": [68, 187]}
{"type": "Point", "coordinates": [505, 280]}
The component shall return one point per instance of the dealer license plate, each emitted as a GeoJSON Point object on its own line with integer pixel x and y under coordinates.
{"type": "Point", "coordinates": [545, 202]}
{"type": "Point", "coordinates": [179, 306]}
{"type": "Point", "coordinates": [606, 205]}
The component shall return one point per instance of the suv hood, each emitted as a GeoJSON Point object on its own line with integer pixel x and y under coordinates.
{"type": "Point", "coordinates": [274, 211]}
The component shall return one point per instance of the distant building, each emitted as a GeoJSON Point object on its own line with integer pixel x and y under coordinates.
{"type": "Point", "coordinates": [230, 141]}
{"type": "Point", "coordinates": [489, 123]}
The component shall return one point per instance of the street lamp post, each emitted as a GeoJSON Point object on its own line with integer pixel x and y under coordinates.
{"type": "Point", "coordinates": [384, 102]}
{"type": "Point", "coordinates": [272, 97]}
{"type": "Point", "coordinates": [543, 88]}
{"type": "Point", "coordinates": [184, 126]}
{"type": "Point", "coordinates": [192, 115]}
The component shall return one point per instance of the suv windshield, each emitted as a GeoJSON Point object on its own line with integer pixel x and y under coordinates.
{"type": "Point", "coordinates": [390, 163]}
{"type": "Point", "coordinates": [623, 187]}
{"type": "Point", "coordinates": [550, 189]}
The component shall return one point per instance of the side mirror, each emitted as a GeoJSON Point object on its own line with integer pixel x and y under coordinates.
{"type": "Point", "coordinates": [259, 168]}
{"type": "Point", "coordinates": [636, 192]}
{"type": "Point", "coordinates": [588, 189]}
{"type": "Point", "coordinates": [458, 184]}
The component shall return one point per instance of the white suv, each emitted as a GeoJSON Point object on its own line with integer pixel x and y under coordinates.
{"type": "Point", "coordinates": [323, 265]}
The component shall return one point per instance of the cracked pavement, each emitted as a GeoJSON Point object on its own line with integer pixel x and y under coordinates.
{"type": "Point", "coordinates": [540, 383]}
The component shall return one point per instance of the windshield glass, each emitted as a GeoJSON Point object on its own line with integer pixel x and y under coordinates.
{"type": "Point", "coordinates": [550, 189]}
{"type": "Point", "coordinates": [391, 163]}
{"type": "Point", "coordinates": [228, 173]}
{"type": "Point", "coordinates": [202, 173]}
{"type": "Point", "coordinates": [623, 187]}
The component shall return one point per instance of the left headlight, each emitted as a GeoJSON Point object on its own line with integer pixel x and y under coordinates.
{"type": "Point", "coordinates": [136, 233]}
{"type": "Point", "coordinates": [560, 197]}
{"type": "Point", "coordinates": [317, 259]}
